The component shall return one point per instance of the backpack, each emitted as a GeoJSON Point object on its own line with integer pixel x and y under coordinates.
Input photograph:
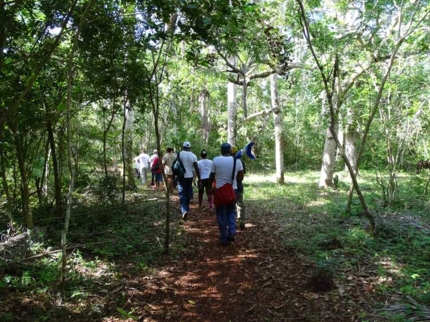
{"type": "Point", "coordinates": [178, 168]}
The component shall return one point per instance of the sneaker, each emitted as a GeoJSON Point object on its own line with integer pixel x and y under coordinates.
{"type": "Point", "coordinates": [230, 239]}
{"type": "Point", "coordinates": [184, 216]}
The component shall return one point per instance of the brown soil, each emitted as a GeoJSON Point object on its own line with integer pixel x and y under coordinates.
{"type": "Point", "coordinates": [253, 279]}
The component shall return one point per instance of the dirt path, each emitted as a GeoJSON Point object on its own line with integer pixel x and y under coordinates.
{"type": "Point", "coordinates": [253, 279]}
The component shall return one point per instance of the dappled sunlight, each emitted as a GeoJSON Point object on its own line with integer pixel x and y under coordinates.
{"type": "Point", "coordinates": [317, 203]}
{"type": "Point", "coordinates": [390, 266]}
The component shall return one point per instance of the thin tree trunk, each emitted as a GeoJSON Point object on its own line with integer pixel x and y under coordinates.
{"type": "Point", "coordinates": [24, 182]}
{"type": "Point", "coordinates": [129, 149]}
{"type": "Point", "coordinates": [105, 133]}
{"type": "Point", "coordinates": [204, 112]}
{"type": "Point", "coordinates": [8, 206]}
{"type": "Point", "coordinates": [57, 179]}
{"type": "Point", "coordinates": [232, 108]}
{"type": "Point", "coordinates": [71, 167]}
{"type": "Point", "coordinates": [277, 118]}
{"type": "Point", "coordinates": [123, 152]}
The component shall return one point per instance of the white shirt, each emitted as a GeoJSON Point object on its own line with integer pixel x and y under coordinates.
{"type": "Point", "coordinates": [205, 167]}
{"type": "Point", "coordinates": [223, 167]}
{"type": "Point", "coordinates": [136, 162]}
{"type": "Point", "coordinates": [188, 158]}
{"type": "Point", "coordinates": [144, 160]}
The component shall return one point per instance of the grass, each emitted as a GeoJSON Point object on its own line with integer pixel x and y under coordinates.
{"type": "Point", "coordinates": [315, 224]}
{"type": "Point", "coordinates": [312, 220]}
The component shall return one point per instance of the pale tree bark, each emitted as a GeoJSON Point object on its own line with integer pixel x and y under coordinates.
{"type": "Point", "coordinates": [127, 148]}
{"type": "Point", "coordinates": [329, 152]}
{"type": "Point", "coordinates": [129, 130]}
{"type": "Point", "coordinates": [277, 118]}
{"type": "Point", "coordinates": [328, 160]}
{"type": "Point", "coordinates": [352, 138]}
{"type": "Point", "coordinates": [232, 107]}
{"type": "Point", "coordinates": [46, 173]}
{"type": "Point", "coordinates": [204, 113]}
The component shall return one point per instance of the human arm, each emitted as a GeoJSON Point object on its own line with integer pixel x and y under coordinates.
{"type": "Point", "coordinates": [197, 171]}
{"type": "Point", "coordinates": [211, 180]}
{"type": "Point", "coordinates": [239, 176]}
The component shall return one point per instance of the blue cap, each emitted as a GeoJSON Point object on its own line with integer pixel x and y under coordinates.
{"type": "Point", "coordinates": [225, 147]}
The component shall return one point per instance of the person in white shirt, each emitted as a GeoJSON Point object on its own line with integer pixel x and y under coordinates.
{"type": "Point", "coordinates": [205, 167]}
{"type": "Point", "coordinates": [144, 166]}
{"type": "Point", "coordinates": [185, 184]}
{"type": "Point", "coordinates": [221, 173]}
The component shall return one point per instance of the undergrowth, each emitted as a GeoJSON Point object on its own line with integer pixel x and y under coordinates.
{"type": "Point", "coordinates": [115, 242]}
{"type": "Point", "coordinates": [104, 246]}
{"type": "Point", "coordinates": [315, 224]}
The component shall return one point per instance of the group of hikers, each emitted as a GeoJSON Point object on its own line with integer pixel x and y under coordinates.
{"type": "Point", "coordinates": [221, 179]}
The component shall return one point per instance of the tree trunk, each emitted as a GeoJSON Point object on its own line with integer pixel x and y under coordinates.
{"type": "Point", "coordinates": [232, 108]}
{"type": "Point", "coordinates": [24, 182]}
{"type": "Point", "coordinates": [105, 133]}
{"type": "Point", "coordinates": [71, 167]}
{"type": "Point", "coordinates": [204, 112]}
{"type": "Point", "coordinates": [129, 149]}
{"type": "Point", "coordinates": [8, 206]}
{"type": "Point", "coordinates": [57, 180]}
{"type": "Point", "coordinates": [277, 118]}
{"type": "Point", "coordinates": [328, 161]}
{"type": "Point", "coordinates": [123, 153]}
{"type": "Point", "coordinates": [351, 140]}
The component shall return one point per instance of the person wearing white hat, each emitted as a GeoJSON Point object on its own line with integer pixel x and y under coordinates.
{"type": "Point", "coordinates": [185, 184]}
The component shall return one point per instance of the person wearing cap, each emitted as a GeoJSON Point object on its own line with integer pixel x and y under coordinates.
{"type": "Point", "coordinates": [240, 207]}
{"type": "Point", "coordinates": [205, 166]}
{"type": "Point", "coordinates": [185, 184]}
{"type": "Point", "coordinates": [151, 164]}
{"type": "Point", "coordinates": [168, 159]}
{"type": "Point", "coordinates": [221, 173]}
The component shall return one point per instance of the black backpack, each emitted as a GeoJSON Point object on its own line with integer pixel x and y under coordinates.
{"type": "Point", "coordinates": [178, 168]}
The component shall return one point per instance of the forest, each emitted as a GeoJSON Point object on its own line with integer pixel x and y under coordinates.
{"type": "Point", "coordinates": [334, 95]}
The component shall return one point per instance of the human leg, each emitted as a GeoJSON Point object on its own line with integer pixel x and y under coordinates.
{"type": "Point", "coordinates": [240, 209]}
{"type": "Point", "coordinates": [184, 188]}
{"type": "Point", "coordinates": [231, 220]}
{"type": "Point", "coordinates": [209, 195]}
{"type": "Point", "coordinates": [201, 191]}
{"type": "Point", "coordinates": [221, 214]}
{"type": "Point", "coordinates": [143, 171]}
{"type": "Point", "coordinates": [189, 186]}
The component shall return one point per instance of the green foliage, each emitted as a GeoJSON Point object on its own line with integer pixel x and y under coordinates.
{"type": "Point", "coordinates": [314, 224]}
